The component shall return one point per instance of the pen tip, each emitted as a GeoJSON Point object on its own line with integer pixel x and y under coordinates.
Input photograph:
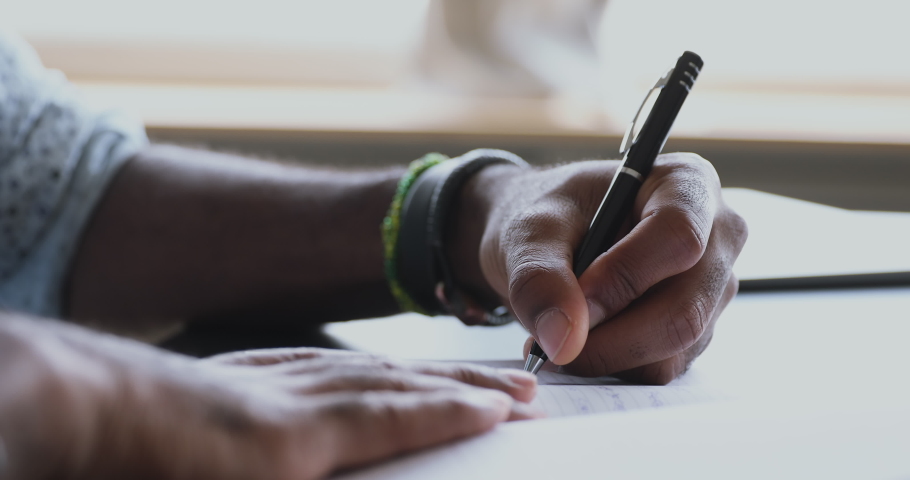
{"type": "Point", "coordinates": [533, 363]}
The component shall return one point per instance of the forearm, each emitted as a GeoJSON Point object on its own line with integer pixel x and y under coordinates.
{"type": "Point", "coordinates": [39, 409]}
{"type": "Point", "coordinates": [186, 233]}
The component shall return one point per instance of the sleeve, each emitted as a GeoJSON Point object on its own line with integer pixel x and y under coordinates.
{"type": "Point", "coordinates": [56, 158]}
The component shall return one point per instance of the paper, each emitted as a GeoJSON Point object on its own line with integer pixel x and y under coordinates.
{"type": "Point", "coordinates": [753, 440]}
{"type": "Point", "coordinates": [561, 395]}
{"type": "Point", "coordinates": [795, 238]}
{"type": "Point", "coordinates": [568, 400]}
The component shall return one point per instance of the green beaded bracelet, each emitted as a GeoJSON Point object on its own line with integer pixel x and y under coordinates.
{"type": "Point", "coordinates": [391, 225]}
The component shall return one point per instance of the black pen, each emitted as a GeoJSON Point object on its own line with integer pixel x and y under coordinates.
{"type": "Point", "coordinates": [641, 144]}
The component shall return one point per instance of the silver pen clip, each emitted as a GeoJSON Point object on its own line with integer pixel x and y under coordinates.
{"type": "Point", "coordinates": [641, 116]}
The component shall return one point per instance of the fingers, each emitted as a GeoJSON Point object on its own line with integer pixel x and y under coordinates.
{"type": "Point", "coordinates": [661, 288]}
{"type": "Point", "coordinates": [402, 381]}
{"type": "Point", "coordinates": [368, 372]}
{"type": "Point", "coordinates": [666, 321]}
{"type": "Point", "coordinates": [350, 429]}
{"type": "Point", "coordinates": [314, 370]}
{"type": "Point", "coordinates": [520, 385]}
{"type": "Point", "coordinates": [369, 427]}
{"type": "Point", "coordinates": [365, 379]}
{"type": "Point", "coordinates": [543, 291]}
{"type": "Point", "coordinates": [664, 371]}
{"type": "Point", "coordinates": [361, 381]}
{"type": "Point", "coordinates": [677, 211]}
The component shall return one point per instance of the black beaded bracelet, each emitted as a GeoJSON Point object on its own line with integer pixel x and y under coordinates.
{"type": "Point", "coordinates": [422, 266]}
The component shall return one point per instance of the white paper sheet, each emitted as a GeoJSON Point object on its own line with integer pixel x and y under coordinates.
{"type": "Point", "coordinates": [561, 395]}
{"type": "Point", "coordinates": [794, 238]}
{"type": "Point", "coordinates": [728, 440]}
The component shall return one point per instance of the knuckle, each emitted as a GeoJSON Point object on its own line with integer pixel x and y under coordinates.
{"type": "Point", "coordinates": [705, 167]}
{"type": "Point", "coordinates": [739, 228]}
{"type": "Point", "coordinates": [687, 324]}
{"type": "Point", "coordinates": [689, 162]}
{"type": "Point", "coordinates": [688, 234]}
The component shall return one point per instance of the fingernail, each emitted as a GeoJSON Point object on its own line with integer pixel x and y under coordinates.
{"type": "Point", "coordinates": [520, 378]}
{"type": "Point", "coordinates": [595, 314]}
{"type": "Point", "coordinates": [553, 329]}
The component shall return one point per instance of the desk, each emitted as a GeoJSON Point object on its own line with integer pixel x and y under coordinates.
{"type": "Point", "coordinates": [798, 341]}
{"type": "Point", "coordinates": [819, 382]}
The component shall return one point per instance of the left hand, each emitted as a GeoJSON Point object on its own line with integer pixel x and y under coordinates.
{"type": "Point", "coordinates": [643, 310]}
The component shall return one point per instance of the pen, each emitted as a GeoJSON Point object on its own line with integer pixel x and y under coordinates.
{"type": "Point", "coordinates": [643, 141]}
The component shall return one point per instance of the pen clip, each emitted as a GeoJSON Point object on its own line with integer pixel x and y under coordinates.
{"type": "Point", "coordinates": [635, 126]}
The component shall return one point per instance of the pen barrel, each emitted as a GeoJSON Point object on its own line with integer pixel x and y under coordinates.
{"type": "Point", "coordinates": [654, 133]}
{"type": "Point", "coordinates": [609, 219]}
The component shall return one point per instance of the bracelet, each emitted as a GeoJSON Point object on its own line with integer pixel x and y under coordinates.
{"type": "Point", "coordinates": [422, 271]}
{"type": "Point", "coordinates": [391, 226]}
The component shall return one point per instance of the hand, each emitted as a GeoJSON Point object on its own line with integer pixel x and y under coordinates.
{"type": "Point", "coordinates": [88, 406]}
{"type": "Point", "coordinates": [642, 311]}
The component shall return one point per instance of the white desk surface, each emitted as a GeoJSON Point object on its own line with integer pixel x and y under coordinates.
{"type": "Point", "coordinates": [819, 380]}
{"type": "Point", "coordinates": [789, 238]}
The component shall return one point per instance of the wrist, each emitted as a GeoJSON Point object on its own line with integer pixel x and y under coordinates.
{"type": "Point", "coordinates": [471, 216]}
{"type": "Point", "coordinates": [423, 271]}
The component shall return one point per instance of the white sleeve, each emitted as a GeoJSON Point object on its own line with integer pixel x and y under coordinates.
{"type": "Point", "coordinates": [56, 158]}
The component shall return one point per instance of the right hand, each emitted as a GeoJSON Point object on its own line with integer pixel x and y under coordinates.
{"type": "Point", "coordinates": [643, 310]}
{"type": "Point", "coordinates": [117, 409]}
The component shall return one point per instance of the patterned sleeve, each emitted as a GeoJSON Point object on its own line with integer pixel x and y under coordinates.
{"type": "Point", "coordinates": [56, 158]}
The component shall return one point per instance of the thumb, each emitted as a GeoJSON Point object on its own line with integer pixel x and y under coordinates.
{"type": "Point", "coordinates": [544, 293]}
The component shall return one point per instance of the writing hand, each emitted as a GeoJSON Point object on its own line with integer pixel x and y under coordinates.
{"type": "Point", "coordinates": [642, 311]}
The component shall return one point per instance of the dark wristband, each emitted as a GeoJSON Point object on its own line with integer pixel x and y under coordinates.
{"type": "Point", "coordinates": [422, 266]}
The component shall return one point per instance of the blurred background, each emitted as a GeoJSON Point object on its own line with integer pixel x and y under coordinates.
{"type": "Point", "coordinates": [804, 98]}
